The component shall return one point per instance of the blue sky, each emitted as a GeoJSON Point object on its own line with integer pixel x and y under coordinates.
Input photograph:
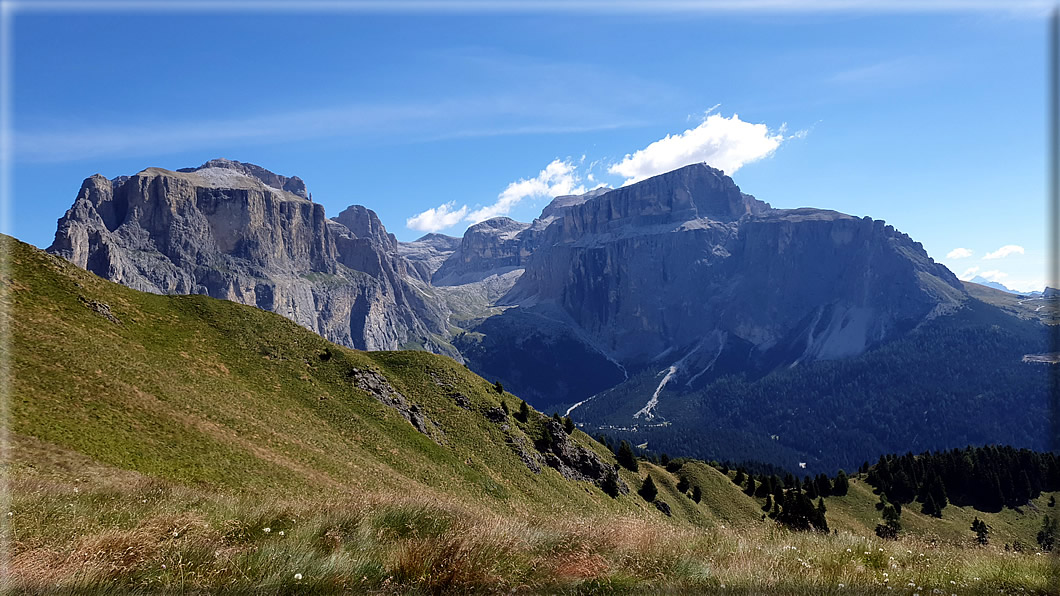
{"type": "Point", "coordinates": [933, 121]}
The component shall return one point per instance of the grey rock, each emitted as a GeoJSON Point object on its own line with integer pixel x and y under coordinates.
{"type": "Point", "coordinates": [663, 507]}
{"type": "Point", "coordinates": [379, 387]}
{"type": "Point", "coordinates": [573, 461]}
{"type": "Point", "coordinates": [238, 232]}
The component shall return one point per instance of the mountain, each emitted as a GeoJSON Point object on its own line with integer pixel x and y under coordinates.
{"type": "Point", "coordinates": [978, 279]}
{"type": "Point", "coordinates": [631, 308]}
{"type": "Point", "coordinates": [239, 232]}
{"type": "Point", "coordinates": [175, 444]}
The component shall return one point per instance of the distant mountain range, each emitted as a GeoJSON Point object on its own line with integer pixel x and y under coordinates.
{"type": "Point", "coordinates": [654, 292]}
{"type": "Point", "coordinates": [978, 279]}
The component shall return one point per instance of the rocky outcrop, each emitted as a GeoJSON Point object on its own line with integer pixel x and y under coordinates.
{"type": "Point", "coordinates": [427, 253]}
{"type": "Point", "coordinates": [573, 461]}
{"type": "Point", "coordinates": [238, 232]}
{"type": "Point", "coordinates": [488, 248]}
{"type": "Point", "coordinates": [377, 386]}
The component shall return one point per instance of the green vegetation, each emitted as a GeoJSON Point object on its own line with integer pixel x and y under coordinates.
{"type": "Point", "coordinates": [184, 444]}
{"type": "Point", "coordinates": [962, 374]}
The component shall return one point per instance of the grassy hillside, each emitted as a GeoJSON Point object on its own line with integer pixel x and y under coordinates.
{"type": "Point", "coordinates": [176, 443]}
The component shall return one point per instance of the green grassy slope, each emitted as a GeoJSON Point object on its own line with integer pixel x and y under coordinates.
{"type": "Point", "coordinates": [177, 428]}
{"type": "Point", "coordinates": [204, 391]}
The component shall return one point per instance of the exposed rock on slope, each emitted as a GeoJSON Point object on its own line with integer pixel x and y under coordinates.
{"type": "Point", "coordinates": [239, 232]}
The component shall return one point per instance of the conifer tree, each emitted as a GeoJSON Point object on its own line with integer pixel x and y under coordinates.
{"type": "Point", "coordinates": [697, 493]}
{"type": "Point", "coordinates": [568, 424]}
{"type": "Point", "coordinates": [750, 490]}
{"type": "Point", "coordinates": [647, 490]}
{"type": "Point", "coordinates": [982, 531]}
{"type": "Point", "coordinates": [625, 457]}
{"type": "Point", "coordinates": [739, 478]}
{"type": "Point", "coordinates": [682, 484]}
{"type": "Point", "coordinates": [524, 412]}
{"type": "Point", "coordinates": [842, 484]}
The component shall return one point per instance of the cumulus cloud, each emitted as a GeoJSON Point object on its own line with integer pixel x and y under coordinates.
{"type": "Point", "coordinates": [959, 253]}
{"type": "Point", "coordinates": [968, 274]}
{"type": "Point", "coordinates": [723, 143]}
{"type": "Point", "coordinates": [558, 178]}
{"type": "Point", "coordinates": [1004, 251]}
{"type": "Point", "coordinates": [438, 218]}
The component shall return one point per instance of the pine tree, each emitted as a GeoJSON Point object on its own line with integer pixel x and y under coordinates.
{"type": "Point", "coordinates": [568, 424]}
{"type": "Point", "coordinates": [769, 503]}
{"type": "Point", "coordinates": [664, 460]}
{"type": "Point", "coordinates": [1047, 535]}
{"type": "Point", "coordinates": [504, 406]}
{"type": "Point", "coordinates": [750, 490]}
{"type": "Point", "coordinates": [682, 484]}
{"type": "Point", "coordinates": [892, 523]}
{"type": "Point", "coordinates": [738, 480]}
{"type": "Point", "coordinates": [498, 387]}
{"type": "Point", "coordinates": [524, 412]}
{"type": "Point", "coordinates": [841, 485]}
{"type": "Point", "coordinates": [697, 493]}
{"type": "Point", "coordinates": [982, 532]}
{"type": "Point", "coordinates": [625, 457]}
{"type": "Point", "coordinates": [648, 490]}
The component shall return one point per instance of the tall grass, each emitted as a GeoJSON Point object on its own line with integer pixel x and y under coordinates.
{"type": "Point", "coordinates": [151, 537]}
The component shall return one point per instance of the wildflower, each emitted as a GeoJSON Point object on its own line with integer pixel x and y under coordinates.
{"type": "Point", "coordinates": [881, 550]}
{"type": "Point", "coordinates": [848, 550]}
{"type": "Point", "coordinates": [266, 530]}
{"type": "Point", "coordinates": [953, 582]}
{"type": "Point", "coordinates": [163, 565]}
{"type": "Point", "coordinates": [281, 532]}
{"type": "Point", "coordinates": [176, 533]}
{"type": "Point", "coordinates": [866, 552]}
{"type": "Point", "coordinates": [841, 586]}
{"type": "Point", "coordinates": [298, 577]}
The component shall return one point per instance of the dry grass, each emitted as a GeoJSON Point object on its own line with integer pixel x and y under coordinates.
{"type": "Point", "coordinates": [153, 537]}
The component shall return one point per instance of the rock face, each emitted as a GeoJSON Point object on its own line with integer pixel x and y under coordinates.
{"type": "Point", "coordinates": [239, 232]}
{"type": "Point", "coordinates": [683, 270]}
{"type": "Point", "coordinates": [681, 274]}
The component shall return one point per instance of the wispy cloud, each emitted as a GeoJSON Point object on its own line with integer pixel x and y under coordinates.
{"type": "Point", "coordinates": [959, 253]}
{"type": "Point", "coordinates": [560, 177]}
{"type": "Point", "coordinates": [1004, 251]}
{"type": "Point", "coordinates": [968, 274]}
{"type": "Point", "coordinates": [392, 122]}
{"type": "Point", "coordinates": [993, 275]}
{"type": "Point", "coordinates": [724, 143]}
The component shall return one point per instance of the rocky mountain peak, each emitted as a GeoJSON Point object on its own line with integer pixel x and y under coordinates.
{"type": "Point", "coordinates": [362, 222]}
{"type": "Point", "coordinates": [293, 184]}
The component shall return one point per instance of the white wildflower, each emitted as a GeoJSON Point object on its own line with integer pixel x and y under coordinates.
{"type": "Point", "coordinates": [266, 530]}
{"type": "Point", "coordinates": [298, 577]}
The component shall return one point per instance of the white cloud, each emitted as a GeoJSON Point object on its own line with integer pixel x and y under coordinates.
{"type": "Point", "coordinates": [558, 178]}
{"type": "Point", "coordinates": [1004, 251]}
{"type": "Point", "coordinates": [994, 275]}
{"type": "Point", "coordinates": [969, 273]}
{"type": "Point", "coordinates": [438, 218]}
{"type": "Point", "coordinates": [723, 143]}
{"type": "Point", "coordinates": [959, 253]}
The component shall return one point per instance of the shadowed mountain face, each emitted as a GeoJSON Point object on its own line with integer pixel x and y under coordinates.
{"type": "Point", "coordinates": [662, 286]}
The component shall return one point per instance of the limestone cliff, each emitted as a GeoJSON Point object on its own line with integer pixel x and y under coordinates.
{"type": "Point", "coordinates": [239, 232]}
